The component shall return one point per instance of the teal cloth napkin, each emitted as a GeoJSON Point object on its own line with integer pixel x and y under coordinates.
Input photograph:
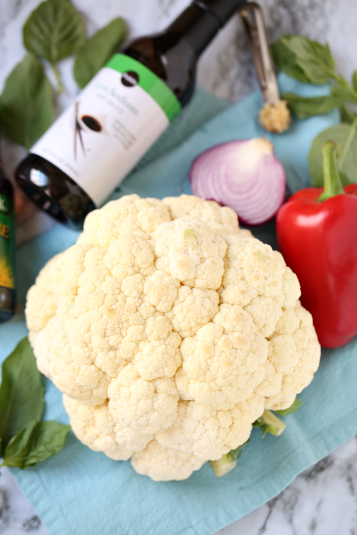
{"type": "Point", "coordinates": [82, 492]}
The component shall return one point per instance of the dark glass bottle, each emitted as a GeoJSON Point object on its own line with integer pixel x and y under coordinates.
{"type": "Point", "coordinates": [7, 248]}
{"type": "Point", "coordinates": [172, 57]}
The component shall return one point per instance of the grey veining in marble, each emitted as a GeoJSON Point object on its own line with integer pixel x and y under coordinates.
{"type": "Point", "coordinates": [17, 517]}
{"type": "Point", "coordinates": [323, 499]}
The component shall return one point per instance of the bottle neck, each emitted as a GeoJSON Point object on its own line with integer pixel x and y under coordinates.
{"type": "Point", "coordinates": [196, 26]}
{"type": "Point", "coordinates": [223, 10]}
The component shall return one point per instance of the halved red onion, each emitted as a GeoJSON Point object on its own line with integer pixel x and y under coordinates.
{"type": "Point", "coordinates": [244, 175]}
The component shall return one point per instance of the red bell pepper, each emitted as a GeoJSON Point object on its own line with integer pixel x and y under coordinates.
{"type": "Point", "coordinates": [317, 235]}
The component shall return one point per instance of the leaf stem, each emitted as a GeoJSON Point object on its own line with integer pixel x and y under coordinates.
{"type": "Point", "coordinates": [58, 78]}
{"type": "Point", "coordinates": [332, 182]}
{"type": "Point", "coordinates": [346, 148]}
{"type": "Point", "coordinates": [347, 115]}
{"type": "Point", "coordinates": [344, 84]}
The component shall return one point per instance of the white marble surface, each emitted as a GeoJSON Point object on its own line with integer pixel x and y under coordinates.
{"type": "Point", "coordinates": [323, 499]}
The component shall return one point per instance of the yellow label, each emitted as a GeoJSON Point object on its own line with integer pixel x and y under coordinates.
{"type": "Point", "coordinates": [6, 274]}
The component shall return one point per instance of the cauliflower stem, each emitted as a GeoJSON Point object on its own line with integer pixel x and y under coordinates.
{"type": "Point", "coordinates": [227, 462]}
{"type": "Point", "coordinates": [269, 423]}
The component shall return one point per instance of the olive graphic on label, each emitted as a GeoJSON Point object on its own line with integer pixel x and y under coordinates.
{"type": "Point", "coordinates": [85, 122]}
{"type": "Point", "coordinates": [91, 122]}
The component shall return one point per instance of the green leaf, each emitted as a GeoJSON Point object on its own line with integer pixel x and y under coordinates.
{"type": "Point", "coordinates": [293, 408]}
{"type": "Point", "coordinates": [269, 423]}
{"type": "Point", "coordinates": [21, 392]}
{"type": "Point", "coordinates": [354, 80]}
{"type": "Point", "coordinates": [305, 107]}
{"type": "Point", "coordinates": [347, 116]}
{"type": "Point", "coordinates": [345, 94]}
{"type": "Point", "coordinates": [97, 50]}
{"type": "Point", "coordinates": [315, 59]}
{"type": "Point", "coordinates": [35, 443]}
{"type": "Point", "coordinates": [26, 103]}
{"type": "Point", "coordinates": [341, 81]}
{"type": "Point", "coordinates": [234, 455]}
{"type": "Point", "coordinates": [284, 60]}
{"type": "Point", "coordinates": [340, 134]}
{"type": "Point", "coordinates": [54, 31]}
{"type": "Point", "coordinates": [306, 56]}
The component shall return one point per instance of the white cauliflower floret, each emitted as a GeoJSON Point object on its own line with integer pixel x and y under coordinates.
{"type": "Point", "coordinates": [95, 427]}
{"type": "Point", "coordinates": [71, 367]}
{"type": "Point", "coordinates": [257, 279]}
{"type": "Point", "coordinates": [191, 252]}
{"type": "Point", "coordinates": [38, 316]}
{"type": "Point", "coordinates": [210, 431]}
{"type": "Point", "coordinates": [130, 254]}
{"type": "Point", "coordinates": [166, 319]}
{"type": "Point", "coordinates": [193, 308]}
{"type": "Point", "coordinates": [124, 216]}
{"type": "Point", "coordinates": [307, 357]}
{"type": "Point", "coordinates": [144, 405]}
{"type": "Point", "coordinates": [165, 464]}
{"type": "Point", "coordinates": [225, 360]}
{"type": "Point", "coordinates": [222, 220]}
{"type": "Point", "coordinates": [293, 358]}
{"type": "Point", "coordinates": [161, 290]}
{"type": "Point", "coordinates": [160, 357]}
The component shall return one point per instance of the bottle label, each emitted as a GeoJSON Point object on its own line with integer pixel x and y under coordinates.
{"type": "Point", "coordinates": [112, 123]}
{"type": "Point", "coordinates": [7, 244]}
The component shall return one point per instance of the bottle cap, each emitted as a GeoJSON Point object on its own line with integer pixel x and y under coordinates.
{"type": "Point", "coordinates": [222, 9]}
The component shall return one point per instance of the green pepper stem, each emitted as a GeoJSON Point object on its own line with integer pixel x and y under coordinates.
{"type": "Point", "coordinates": [332, 181]}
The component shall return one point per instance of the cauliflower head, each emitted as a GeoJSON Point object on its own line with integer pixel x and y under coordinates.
{"type": "Point", "coordinates": [169, 330]}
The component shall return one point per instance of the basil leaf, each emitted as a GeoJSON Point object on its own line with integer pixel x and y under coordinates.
{"type": "Point", "coordinates": [98, 50]}
{"type": "Point", "coordinates": [26, 103]}
{"type": "Point", "coordinates": [354, 80]}
{"type": "Point", "coordinates": [21, 392]}
{"type": "Point", "coordinates": [54, 31]}
{"type": "Point", "coordinates": [293, 408]}
{"type": "Point", "coordinates": [35, 443]}
{"type": "Point", "coordinates": [311, 58]}
{"type": "Point", "coordinates": [284, 60]}
{"type": "Point", "coordinates": [16, 450]}
{"type": "Point", "coordinates": [346, 115]}
{"type": "Point", "coordinates": [340, 134]}
{"type": "Point", "coordinates": [305, 107]}
{"type": "Point", "coordinates": [344, 94]}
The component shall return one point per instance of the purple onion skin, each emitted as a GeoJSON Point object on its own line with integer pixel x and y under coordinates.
{"type": "Point", "coordinates": [260, 191]}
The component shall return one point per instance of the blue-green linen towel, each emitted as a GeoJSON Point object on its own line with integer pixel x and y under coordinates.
{"type": "Point", "coordinates": [80, 492]}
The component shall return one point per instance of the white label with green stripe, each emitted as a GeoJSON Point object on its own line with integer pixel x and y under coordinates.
{"type": "Point", "coordinates": [110, 126]}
